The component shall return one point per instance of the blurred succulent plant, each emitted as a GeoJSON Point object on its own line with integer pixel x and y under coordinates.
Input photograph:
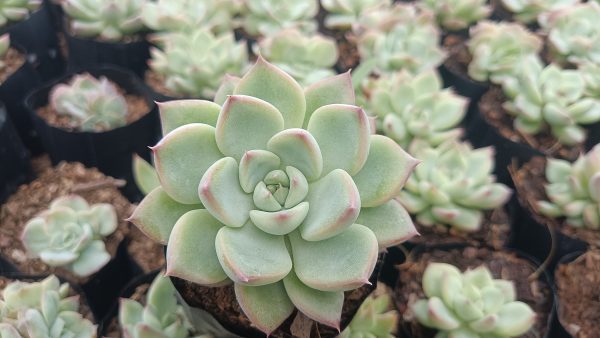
{"type": "Point", "coordinates": [42, 309]}
{"type": "Point", "coordinates": [498, 50]}
{"type": "Point", "coordinates": [194, 63]}
{"type": "Point", "coordinates": [375, 319]}
{"type": "Point", "coordinates": [267, 17]}
{"type": "Point", "coordinates": [160, 317]}
{"type": "Point", "coordinates": [527, 11]}
{"type": "Point", "coordinates": [4, 46]}
{"type": "Point", "coordinates": [416, 107]}
{"type": "Point", "coordinates": [343, 14]}
{"type": "Point", "coordinates": [574, 190]}
{"type": "Point", "coordinates": [69, 234]}
{"type": "Point", "coordinates": [185, 15]}
{"type": "Point", "coordinates": [110, 20]}
{"type": "Point", "coordinates": [282, 166]}
{"type": "Point", "coordinates": [17, 10]}
{"type": "Point", "coordinates": [90, 103]}
{"type": "Point", "coordinates": [452, 186]}
{"type": "Point", "coordinates": [306, 58]}
{"type": "Point", "coordinates": [591, 74]}
{"type": "Point", "coordinates": [457, 14]}
{"type": "Point", "coordinates": [542, 98]}
{"type": "Point", "coordinates": [574, 32]}
{"type": "Point", "coordinates": [471, 304]}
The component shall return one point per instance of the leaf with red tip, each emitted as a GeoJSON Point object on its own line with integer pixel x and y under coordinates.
{"type": "Point", "coordinates": [280, 222]}
{"type": "Point", "coordinates": [266, 306]}
{"type": "Point", "coordinates": [335, 89]}
{"type": "Point", "coordinates": [174, 114]}
{"type": "Point", "coordinates": [390, 223]}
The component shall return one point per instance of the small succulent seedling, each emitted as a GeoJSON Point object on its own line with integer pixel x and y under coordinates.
{"type": "Point", "coordinates": [90, 103]}
{"type": "Point", "coordinates": [69, 234]}
{"type": "Point", "coordinates": [4, 46]}
{"type": "Point", "coordinates": [416, 107]}
{"type": "Point", "coordinates": [471, 304]}
{"type": "Point", "coordinates": [267, 17]}
{"type": "Point", "coordinates": [160, 316]}
{"type": "Point", "coordinates": [499, 49]}
{"type": "Point", "coordinates": [306, 58]}
{"type": "Point", "coordinates": [374, 319]}
{"type": "Point", "coordinates": [574, 32]}
{"type": "Point", "coordinates": [111, 20]}
{"type": "Point", "coordinates": [574, 190]}
{"type": "Point", "coordinates": [550, 98]}
{"type": "Point", "coordinates": [194, 63]}
{"type": "Point", "coordinates": [457, 14]}
{"type": "Point", "coordinates": [453, 186]}
{"type": "Point", "coordinates": [343, 14]}
{"type": "Point", "coordinates": [42, 309]}
{"type": "Point", "coordinates": [527, 11]}
{"type": "Point", "coordinates": [281, 190]}
{"type": "Point", "coordinates": [16, 10]}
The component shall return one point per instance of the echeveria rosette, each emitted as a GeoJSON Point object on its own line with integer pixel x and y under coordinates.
{"type": "Point", "coordinates": [453, 186]}
{"type": "Point", "coordinates": [416, 107]}
{"type": "Point", "coordinates": [375, 318]}
{"type": "Point", "coordinates": [282, 191]}
{"type": "Point", "coordinates": [267, 17]}
{"type": "Point", "coordinates": [471, 304]}
{"type": "Point", "coordinates": [343, 14]}
{"type": "Point", "coordinates": [42, 309]}
{"type": "Point", "coordinates": [17, 10]}
{"type": "Point", "coordinates": [457, 14]}
{"type": "Point", "coordinates": [69, 234]}
{"type": "Point", "coordinates": [527, 11]}
{"type": "Point", "coordinates": [573, 190]}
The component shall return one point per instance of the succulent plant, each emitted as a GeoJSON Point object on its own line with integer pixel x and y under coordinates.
{"type": "Point", "coordinates": [42, 309]}
{"type": "Point", "coordinates": [69, 234]}
{"type": "Point", "coordinates": [144, 175]}
{"type": "Point", "coordinates": [527, 11]}
{"type": "Point", "coordinates": [550, 98]}
{"type": "Point", "coordinates": [343, 14]}
{"type": "Point", "coordinates": [374, 319]}
{"type": "Point", "coordinates": [306, 58]}
{"type": "Point", "coordinates": [267, 17]}
{"type": "Point", "coordinates": [284, 169]}
{"type": "Point", "coordinates": [4, 46]}
{"type": "Point", "coordinates": [573, 190]}
{"type": "Point", "coordinates": [111, 20]}
{"type": "Point", "coordinates": [16, 10]}
{"type": "Point", "coordinates": [499, 48]}
{"type": "Point", "coordinates": [90, 103]}
{"type": "Point", "coordinates": [591, 74]}
{"type": "Point", "coordinates": [416, 107]}
{"type": "Point", "coordinates": [160, 317]}
{"type": "Point", "coordinates": [457, 14]}
{"type": "Point", "coordinates": [194, 63]}
{"type": "Point", "coordinates": [574, 33]}
{"type": "Point", "coordinates": [452, 186]}
{"type": "Point", "coordinates": [471, 304]}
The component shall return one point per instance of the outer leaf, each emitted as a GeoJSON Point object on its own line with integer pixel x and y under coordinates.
{"type": "Point", "coordinates": [299, 149]}
{"type": "Point", "coordinates": [335, 89]}
{"type": "Point", "coordinates": [441, 317]}
{"type": "Point", "coordinates": [144, 175]}
{"type": "Point", "coordinates": [514, 319]}
{"type": "Point", "coordinates": [174, 114]}
{"type": "Point", "coordinates": [267, 306]}
{"type": "Point", "coordinates": [191, 253]}
{"type": "Point", "coordinates": [390, 223]}
{"type": "Point", "coordinates": [92, 259]}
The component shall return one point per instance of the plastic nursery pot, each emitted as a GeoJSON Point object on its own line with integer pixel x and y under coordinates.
{"type": "Point", "coordinates": [506, 264]}
{"type": "Point", "coordinates": [15, 168]}
{"type": "Point", "coordinates": [217, 306]}
{"type": "Point", "coordinates": [110, 151]}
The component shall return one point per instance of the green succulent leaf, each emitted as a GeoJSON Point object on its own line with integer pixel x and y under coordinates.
{"type": "Point", "coordinates": [174, 114]}
{"type": "Point", "coordinates": [267, 306]}
{"type": "Point", "coordinates": [332, 90]}
{"type": "Point", "coordinates": [299, 149]}
{"type": "Point", "coordinates": [390, 223]}
{"type": "Point", "coordinates": [144, 175]}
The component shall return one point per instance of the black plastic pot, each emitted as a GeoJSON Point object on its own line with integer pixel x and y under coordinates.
{"type": "Point", "coordinates": [110, 151]}
{"type": "Point", "coordinates": [15, 168]}
{"type": "Point", "coordinates": [463, 85]}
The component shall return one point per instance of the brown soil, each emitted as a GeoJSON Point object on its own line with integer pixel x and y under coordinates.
{"type": "Point", "coordinates": [491, 108]}
{"type": "Point", "coordinates": [349, 58]}
{"type": "Point", "coordinates": [578, 306]}
{"type": "Point", "coordinates": [530, 180]}
{"type": "Point", "coordinates": [113, 329]}
{"type": "Point", "coordinates": [494, 232]}
{"type": "Point", "coordinates": [144, 251]}
{"type": "Point", "coordinates": [459, 57]}
{"type": "Point", "coordinates": [31, 199]}
{"type": "Point", "coordinates": [13, 60]}
{"type": "Point", "coordinates": [536, 293]}
{"type": "Point", "coordinates": [157, 83]}
{"type": "Point", "coordinates": [499, 12]}
{"type": "Point", "coordinates": [40, 163]}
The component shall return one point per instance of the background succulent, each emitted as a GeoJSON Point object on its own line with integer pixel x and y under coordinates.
{"type": "Point", "coordinates": [42, 309]}
{"type": "Point", "coordinates": [282, 164]}
{"type": "Point", "coordinates": [159, 317]}
{"type": "Point", "coordinates": [267, 17]}
{"type": "Point", "coordinates": [527, 11]}
{"type": "Point", "coordinates": [471, 304]}
{"type": "Point", "coordinates": [375, 319]}
{"type": "Point", "coordinates": [4, 46]}
{"type": "Point", "coordinates": [144, 175]}
{"type": "Point", "coordinates": [306, 58]}
{"type": "Point", "coordinates": [69, 234]}
{"type": "Point", "coordinates": [416, 107]}
{"type": "Point", "coordinates": [342, 14]}
{"type": "Point", "coordinates": [110, 20]}
{"type": "Point", "coordinates": [574, 33]}
{"type": "Point", "coordinates": [457, 14]}
{"type": "Point", "coordinates": [574, 190]}
{"type": "Point", "coordinates": [551, 98]}
{"type": "Point", "coordinates": [452, 186]}
{"type": "Point", "coordinates": [16, 10]}
{"type": "Point", "coordinates": [499, 48]}
{"type": "Point", "coordinates": [591, 74]}
{"type": "Point", "coordinates": [90, 103]}
{"type": "Point", "coordinates": [194, 63]}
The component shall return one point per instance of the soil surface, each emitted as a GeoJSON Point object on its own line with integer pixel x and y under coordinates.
{"type": "Point", "coordinates": [13, 60]}
{"type": "Point", "coordinates": [157, 83]}
{"type": "Point", "coordinates": [33, 198]}
{"type": "Point", "coordinates": [458, 55]}
{"type": "Point", "coordinates": [578, 306]}
{"type": "Point", "coordinates": [505, 265]}
{"type": "Point", "coordinates": [148, 254]}
{"type": "Point", "coordinates": [348, 58]}
{"type": "Point", "coordinates": [491, 108]}
{"type": "Point", "coordinates": [530, 180]}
